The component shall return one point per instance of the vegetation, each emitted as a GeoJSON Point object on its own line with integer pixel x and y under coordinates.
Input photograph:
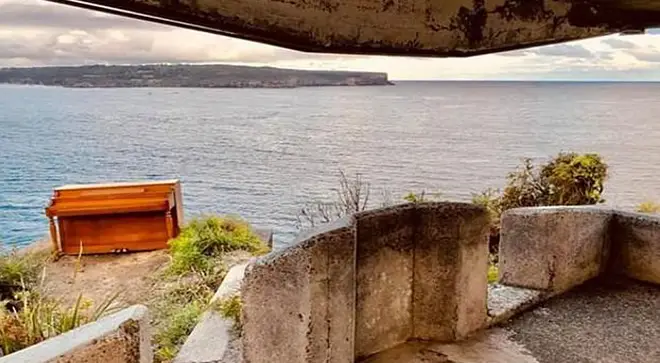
{"type": "Point", "coordinates": [231, 308]}
{"type": "Point", "coordinates": [351, 197]}
{"type": "Point", "coordinates": [567, 179]}
{"type": "Point", "coordinates": [493, 272]}
{"type": "Point", "coordinates": [29, 316]}
{"type": "Point", "coordinates": [649, 207]}
{"type": "Point", "coordinates": [194, 274]}
{"type": "Point", "coordinates": [205, 239]}
{"type": "Point", "coordinates": [421, 197]}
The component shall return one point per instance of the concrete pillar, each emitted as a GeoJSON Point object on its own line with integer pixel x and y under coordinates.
{"type": "Point", "coordinates": [384, 278]}
{"type": "Point", "coordinates": [450, 268]}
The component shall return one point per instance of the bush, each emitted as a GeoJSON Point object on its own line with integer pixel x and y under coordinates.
{"type": "Point", "coordinates": [648, 207]}
{"type": "Point", "coordinates": [19, 270]}
{"type": "Point", "coordinates": [206, 238]}
{"type": "Point", "coordinates": [567, 179]}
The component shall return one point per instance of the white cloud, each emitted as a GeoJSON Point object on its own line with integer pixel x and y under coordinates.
{"type": "Point", "coordinates": [34, 32]}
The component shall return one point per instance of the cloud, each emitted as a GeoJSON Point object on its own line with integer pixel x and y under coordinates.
{"type": "Point", "coordinates": [563, 50]}
{"type": "Point", "coordinates": [618, 43]}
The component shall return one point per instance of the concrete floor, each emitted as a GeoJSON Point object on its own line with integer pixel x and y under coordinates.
{"type": "Point", "coordinates": [600, 322]}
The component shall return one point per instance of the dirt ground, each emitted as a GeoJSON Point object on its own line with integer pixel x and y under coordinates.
{"type": "Point", "coordinates": [134, 275]}
{"type": "Point", "coordinates": [99, 276]}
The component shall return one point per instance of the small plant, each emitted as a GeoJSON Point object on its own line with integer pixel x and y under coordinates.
{"type": "Point", "coordinates": [421, 197]}
{"type": "Point", "coordinates": [176, 327]}
{"type": "Point", "coordinates": [493, 272]}
{"type": "Point", "coordinates": [352, 196]}
{"type": "Point", "coordinates": [38, 317]}
{"type": "Point", "coordinates": [19, 270]}
{"type": "Point", "coordinates": [207, 238]}
{"type": "Point", "coordinates": [230, 308]}
{"type": "Point", "coordinates": [649, 207]}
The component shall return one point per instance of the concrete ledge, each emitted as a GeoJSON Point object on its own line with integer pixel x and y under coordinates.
{"type": "Point", "coordinates": [553, 248]}
{"type": "Point", "coordinates": [506, 301]}
{"type": "Point", "coordinates": [123, 337]}
{"type": "Point", "coordinates": [214, 338]}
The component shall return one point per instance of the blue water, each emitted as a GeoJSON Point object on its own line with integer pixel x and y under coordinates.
{"type": "Point", "coordinates": [263, 153]}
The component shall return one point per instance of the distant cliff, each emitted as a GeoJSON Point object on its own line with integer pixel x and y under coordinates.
{"type": "Point", "coordinates": [206, 76]}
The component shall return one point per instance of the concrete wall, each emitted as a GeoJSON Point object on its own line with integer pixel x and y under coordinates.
{"type": "Point", "coordinates": [385, 243]}
{"type": "Point", "coordinates": [553, 248]}
{"type": "Point", "coordinates": [123, 337]}
{"type": "Point", "coordinates": [298, 303]}
{"type": "Point", "coordinates": [557, 248]}
{"type": "Point", "coordinates": [368, 283]}
{"type": "Point", "coordinates": [451, 262]}
{"type": "Point", "coordinates": [635, 249]}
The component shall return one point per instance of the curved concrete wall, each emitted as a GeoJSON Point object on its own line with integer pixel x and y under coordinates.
{"type": "Point", "coordinates": [557, 248]}
{"type": "Point", "coordinates": [367, 283]}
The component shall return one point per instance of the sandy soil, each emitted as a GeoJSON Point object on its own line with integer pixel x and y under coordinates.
{"type": "Point", "coordinates": [99, 276]}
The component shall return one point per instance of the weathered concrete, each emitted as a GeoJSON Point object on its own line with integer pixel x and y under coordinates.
{"type": "Point", "coordinates": [553, 248]}
{"type": "Point", "coordinates": [293, 311]}
{"type": "Point", "coordinates": [595, 323]}
{"type": "Point", "coordinates": [450, 265]}
{"type": "Point", "coordinates": [635, 249]}
{"type": "Point", "coordinates": [368, 283]}
{"type": "Point", "coordinates": [211, 339]}
{"type": "Point", "coordinates": [385, 245]}
{"type": "Point", "coordinates": [411, 28]}
{"type": "Point", "coordinates": [506, 301]}
{"type": "Point", "coordinates": [494, 346]}
{"type": "Point", "coordinates": [123, 337]}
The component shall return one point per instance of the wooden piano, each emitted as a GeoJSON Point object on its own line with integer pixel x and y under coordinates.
{"type": "Point", "coordinates": [121, 217]}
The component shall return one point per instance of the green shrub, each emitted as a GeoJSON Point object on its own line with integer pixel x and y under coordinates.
{"type": "Point", "coordinates": [20, 269]}
{"type": "Point", "coordinates": [567, 179]}
{"type": "Point", "coordinates": [648, 207]}
{"type": "Point", "coordinates": [231, 308]}
{"type": "Point", "coordinates": [207, 238]}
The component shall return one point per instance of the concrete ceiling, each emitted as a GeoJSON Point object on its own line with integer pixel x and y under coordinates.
{"type": "Point", "coordinates": [435, 28]}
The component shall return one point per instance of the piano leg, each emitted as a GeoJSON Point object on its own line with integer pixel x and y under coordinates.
{"type": "Point", "coordinates": [169, 222]}
{"type": "Point", "coordinates": [53, 235]}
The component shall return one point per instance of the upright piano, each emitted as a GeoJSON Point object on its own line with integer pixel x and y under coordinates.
{"type": "Point", "coordinates": [112, 218]}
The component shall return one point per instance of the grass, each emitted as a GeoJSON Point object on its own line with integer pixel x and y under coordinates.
{"type": "Point", "coordinates": [493, 272]}
{"type": "Point", "coordinates": [207, 238]}
{"type": "Point", "coordinates": [649, 207]}
{"type": "Point", "coordinates": [33, 317]}
{"type": "Point", "coordinates": [231, 308]}
{"type": "Point", "coordinates": [195, 272]}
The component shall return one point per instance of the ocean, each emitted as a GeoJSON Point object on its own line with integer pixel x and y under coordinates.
{"type": "Point", "coordinates": [263, 153]}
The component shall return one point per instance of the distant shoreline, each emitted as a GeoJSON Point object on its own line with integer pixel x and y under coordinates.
{"type": "Point", "coordinates": [186, 76]}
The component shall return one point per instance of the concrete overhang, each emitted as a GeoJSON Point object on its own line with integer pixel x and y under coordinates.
{"type": "Point", "coordinates": [433, 28]}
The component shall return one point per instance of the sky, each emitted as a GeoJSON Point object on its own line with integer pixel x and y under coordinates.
{"type": "Point", "coordinates": [37, 33]}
